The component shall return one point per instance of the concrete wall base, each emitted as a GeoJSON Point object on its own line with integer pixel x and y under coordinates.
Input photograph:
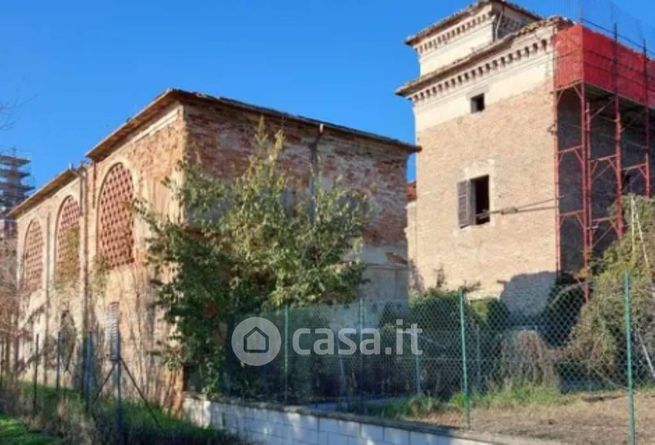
{"type": "Point", "coordinates": [264, 423]}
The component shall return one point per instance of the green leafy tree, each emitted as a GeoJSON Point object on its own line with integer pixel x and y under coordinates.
{"type": "Point", "coordinates": [599, 335]}
{"type": "Point", "coordinates": [261, 240]}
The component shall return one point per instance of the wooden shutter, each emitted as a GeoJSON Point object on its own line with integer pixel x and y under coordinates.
{"type": "Point", "coordinates": [464, 207]}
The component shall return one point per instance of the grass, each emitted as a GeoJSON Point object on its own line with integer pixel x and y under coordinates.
{"type": "Point", "coordinates": [63, 414]}
{"type": "Point", "coordinates": [514, 396]}
{"type": "Point", "coordinates": [14, 432]}
{"type": "Point", "coordinates": [506, 397]}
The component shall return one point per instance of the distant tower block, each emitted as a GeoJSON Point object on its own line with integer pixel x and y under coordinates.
{"type": "Point", "coordinates": [13, 188]}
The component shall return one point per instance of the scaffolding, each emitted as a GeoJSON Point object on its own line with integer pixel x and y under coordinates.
{"type": "Point", "coordinates": [604, 90]}
{"type": "Point", "coordinates": [13, 186]}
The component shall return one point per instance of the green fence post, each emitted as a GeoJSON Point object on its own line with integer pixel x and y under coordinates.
{"type": "Point", "coordinates": [58, 365]}
{"type": "Point", "coordinates": [361, 356]}
{"type": "Point", "coordinates": [417, 371]}
{"type": "Point", "coordinates": [465, 378]}
{"type": "Point", "coordinates": [627, 297]}
{"type": "Point", "coordinates": [286, 353]}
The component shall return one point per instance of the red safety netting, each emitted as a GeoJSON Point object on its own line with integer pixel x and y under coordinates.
{"type": "Point", "coordinates": [583, 55]}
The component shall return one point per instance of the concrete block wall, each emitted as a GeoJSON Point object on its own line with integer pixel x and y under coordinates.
{"type": "Point", "coordinates": [276, 425]}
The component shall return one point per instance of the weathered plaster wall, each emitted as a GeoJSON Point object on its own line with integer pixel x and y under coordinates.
{"type": "Point", "coordinates": [514, 255]}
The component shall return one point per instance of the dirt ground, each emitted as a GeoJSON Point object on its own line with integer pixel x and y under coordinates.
{"type": "Point", "coordinates": [598, 420]}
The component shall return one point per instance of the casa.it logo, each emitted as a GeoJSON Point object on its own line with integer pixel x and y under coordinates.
{"type": "Point", "coordinates": [256, 341]}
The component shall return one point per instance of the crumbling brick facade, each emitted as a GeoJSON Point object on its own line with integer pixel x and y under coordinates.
{"type": "Point", "coordinates": [532, 129]}
{"type": "Point", "coordinates": [113, 282]}
{"type": "Point", "coordinates": [485, 213]}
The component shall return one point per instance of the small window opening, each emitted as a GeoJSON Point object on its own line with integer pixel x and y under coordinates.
{"type": "Point", "coordinates": [480, 189]}
{"type": "Point", "coordinates": [628, 182]}
{"type": "Point", "coordinates": [473, 202]}
{"type": "Point", "coordinates": [477, 103]}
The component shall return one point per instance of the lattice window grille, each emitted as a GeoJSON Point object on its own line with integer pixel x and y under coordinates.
{"type": "Point", "coordinates": [116, 234]}
{"type": "Point", "coordinates": [33, 257]}
{"type": "Point", "coordinates": [68, 233]}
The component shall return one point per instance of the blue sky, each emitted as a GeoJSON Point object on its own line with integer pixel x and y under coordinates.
{"type": "Point", "coordinates": [78, 69]}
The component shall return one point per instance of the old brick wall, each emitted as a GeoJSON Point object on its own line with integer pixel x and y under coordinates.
{"type": "Point", "coordinates": [224, 138]}
{"type": "Point", "coordinates": [111, 276]}
{"type": "Point", "coordinates": [513, 256]}
{"type": "Point", "coordinates": [149, 155]}
{"type": "Point", "coordinates": [42, 305]}
{"type": "Point", "coordinates": [146, 158]}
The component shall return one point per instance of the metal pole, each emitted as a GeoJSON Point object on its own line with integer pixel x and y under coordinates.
{"type": "Point", "coordinates": [478, 358]}
{"type": "Point", "coordinates": [2, 361]}
{"type": "Point", "coordinates": [465, 382]}
{"type": "Point", "coordinates": [417, 371]}
{"type": "Point", "coordinates": [628, 344]}
{"type": "Point", "coordinates": [87, 371]}
{"type": "Point", "coordinates": [36, 374]}
{"type": "Point", "coordinates": [618, 142]}
{"type": "Point", "coordinates": [286, 353]}
{"type": "Point", "coordinates": [58, 380]}
{"type": "Point", "coordinates": [138, 390]}
{"type": "Point", "coordinates": [119, 392]}
{"type": "Point", "coordinates": [83, 380]}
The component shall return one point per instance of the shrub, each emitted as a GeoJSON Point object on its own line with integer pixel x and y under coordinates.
{"type": "Point", "coordinates": [598, 340]}
{"type": "Point", "coordinates": [526, 360]}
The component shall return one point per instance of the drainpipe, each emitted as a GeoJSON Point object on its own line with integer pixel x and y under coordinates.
{"type": "Point", "coordinates": [314, 166]}
{"type": "Point", "coordinates": [81, 174]}
{"type": "Point", "coordinates": [48, 242]}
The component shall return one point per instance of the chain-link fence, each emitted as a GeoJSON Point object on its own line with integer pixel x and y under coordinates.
{"type": "Point", "coordinates": [574, 371]}
{"type": "Point", "coordinates": [84, 390]}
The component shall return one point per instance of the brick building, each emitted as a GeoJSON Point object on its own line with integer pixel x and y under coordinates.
{"type": "Point", "coordinates": [80, 217]}
{"type": "Point", "coordinates": [531, 130]}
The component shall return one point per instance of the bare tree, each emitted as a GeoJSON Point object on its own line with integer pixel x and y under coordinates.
{"type": "Point", "coordinates": [9, 300]}
{"type": "Point", "coordinates": [5, 115]}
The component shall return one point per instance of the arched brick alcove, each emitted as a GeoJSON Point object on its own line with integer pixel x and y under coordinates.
{"type": "Point", "coordinates": [32, 261]}
{"type": "Point", "coordinates": [68, 239]}
{"type": "Point", "coordinates": [115, 219]}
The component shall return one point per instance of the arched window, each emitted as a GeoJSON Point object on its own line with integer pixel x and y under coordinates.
{"type": "Point", "coordinates": [67, 267]}
{"type": "Point", "coordinates": [115, 220]}
{"type": "Point", "coordinates": [33, 258]}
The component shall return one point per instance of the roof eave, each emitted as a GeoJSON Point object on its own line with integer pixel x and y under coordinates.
{"type": "Point", "coordinates": [415, 85]}
{"type": "Point", "coordinates": [43, 193]}
{"type": "Point", "coordinates": [104, 147]}
{"type": "Point", "coordinates": [436, 27]}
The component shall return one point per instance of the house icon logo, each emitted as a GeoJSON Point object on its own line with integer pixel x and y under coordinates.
{"type": "Point", "coordinates": [256, 341]}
